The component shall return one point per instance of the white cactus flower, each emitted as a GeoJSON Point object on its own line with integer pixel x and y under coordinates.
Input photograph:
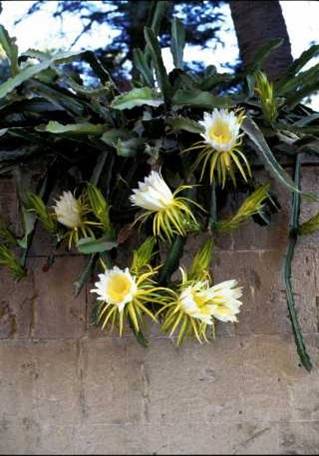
{"type": "Point", "coordinates": [219, 301]}
{"type": "Point", "coordinates": [116, 286]}
{"type": "Point", "coordinates": [224, 300]}
{"type": "Point", "coordinates": [221, 129]}
{"type": "Point", "coordinates": [68, 210]}
{"type": "Point", "coordinates": [153, 194]}
{"type": "Point", "coordinates": [194, 309]}
{"type": "Point", "coordinates": [172, 214]}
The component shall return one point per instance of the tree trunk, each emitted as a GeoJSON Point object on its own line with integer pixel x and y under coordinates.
{"type": "Point", "coordinates": [255, 23]}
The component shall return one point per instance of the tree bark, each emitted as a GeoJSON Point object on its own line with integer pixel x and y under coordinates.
{"type": "Point", "coordinates": [255, 23]}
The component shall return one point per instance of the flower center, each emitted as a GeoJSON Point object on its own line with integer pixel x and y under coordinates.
{"type": "Point", "coordinates": [220, 132]}
{"type": "Point", "coordinates": [199, 300]}
{"type": "Point", "coordinates": [118, 287]}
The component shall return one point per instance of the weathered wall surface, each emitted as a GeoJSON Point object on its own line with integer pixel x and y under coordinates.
{"type": "Point", "coordinates": [67, 388]}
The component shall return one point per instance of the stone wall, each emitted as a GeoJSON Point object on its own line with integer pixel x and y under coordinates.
{"type": "Point", "coordinates": [67, 388]}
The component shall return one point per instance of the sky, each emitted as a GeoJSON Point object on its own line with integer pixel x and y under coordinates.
{"type": "Point", "coordinates": [41, 31]}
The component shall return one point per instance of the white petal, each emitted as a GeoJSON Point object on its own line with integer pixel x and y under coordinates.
{"type": "Point", "coordinates": [67, 209]}
{"type": "Point", "coordinates": [153, 194]}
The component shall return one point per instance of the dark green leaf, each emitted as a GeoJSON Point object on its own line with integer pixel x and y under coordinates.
{"type": "Point", "coordinates": [184, 123]}
{"type": "Point", "coordinates": [177, 42]}
{"type": "Point", "coordinates": [90, 245]}
{"type": "Point", "coordinates": [112, 136]}
{"type": "Point", "coordinates": [23, 181]}
{"type": "Point", "coordinates": [200, 99]}
{"type": "Point", "coordinates": [308, 89]}
{"type": "Point", "coordinates": [10, 48]}
{"type": "Point", "coordinates": [59, 57]}
{"type": "Point", "coordinates": [299, 82]}
{"type": "Point", "coordinates": [85, 128]}
{"type": "Point", "coordinates": [266, 155]}
{"type": "Point", "coordinates": [29, 219]}
{"type": "Point", "coordinates": [17, 154]}
{"type": "Point", "coordinates": [25, 74]}
{"type": "Point", "coordinates": [98, 68]}
{"type": "Point", "coordinates": [158, 14]}
{"type": "Point", "coordinates": [263, 53]}
{"type": "Point", "coordinates": [211, 78]}
{"type": "Point", "coordinates": [137, 97]}
{"type": "Point", "coordinates": [130, 147]}
{"type": "Point", "coordinates": [172, 260]}
{"type": "Point", "coordinates": [155, 51]}
{"type": "Point", "coordinates": [299, 63]}
{"type": "Point", "coordinates": [60, 98]}
{"type": "Point", "coordinates": [142, 66]}
{"type": "Point", "coordinates": [97, 171]}
{"type": "Point", "coordinates": [307, 120]}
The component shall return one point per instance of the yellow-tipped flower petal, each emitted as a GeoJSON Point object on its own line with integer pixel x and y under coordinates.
{"type": "Point", "coordinates": [142, 256]}
{"type": "Point", "coordinates": [172, 214]}
{"type": "Point", "coordinates": [100, 207]}
{"type": "Point", "coordinates": [265, 90]}
{"type": "Point", "coordinates": [36, 204]}
{"type": "Point", "coordinates": [201, 263]}
{"type": "Point", "coordinates": [9, 260]}
{"type": "Point", "coordinates": [252, 205]}
{"type": "Point", "coordinates": [219, 152]}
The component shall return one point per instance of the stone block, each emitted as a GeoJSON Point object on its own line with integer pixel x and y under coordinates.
{"type": "Point", "coordinates": [309, 183]}
{"type": "Point", "coordinates": [58, 386]}
{"type": "Point", "coordinates": [19, 438]}
{"type": "Point", "coordinates": [16, 306]}
{"type": "Point", "coordinates": [190, 383]}
{"type": "Point", "coordinates": [59, 439]}
{"type": "Point", "coordinates": [305, 289]}
{"type": "Point", "coordinates": [58, 313]}
{"type": "Point", "coordinates": [179, 438]}
{"type": "Point", "coordinates": [260, 274]}
{"type": "Point", "coordinates": [223, 438]}
{"type": "Point", "coordinates": [43, 244]}
{"type": "Point", "coordinates": [8, 203]}
{"type": "Point", "coordinates": [106, 380]}
{"type": "Point", "coordinates": [268, 361]}
{"type": "Point", "coordinates": [123, 439]}
{"type": "Point", "coordinates": [299, 437]}
{"type": "Point", "coordinates": [17, 376]}
{"type": "Point", "coordinates": [303, 388]}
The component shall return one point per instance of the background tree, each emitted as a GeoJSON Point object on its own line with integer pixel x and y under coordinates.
{"type": "Point", "coordinates": [255, 24]}
{"type": "Point", "coordinates": [202, 21]}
